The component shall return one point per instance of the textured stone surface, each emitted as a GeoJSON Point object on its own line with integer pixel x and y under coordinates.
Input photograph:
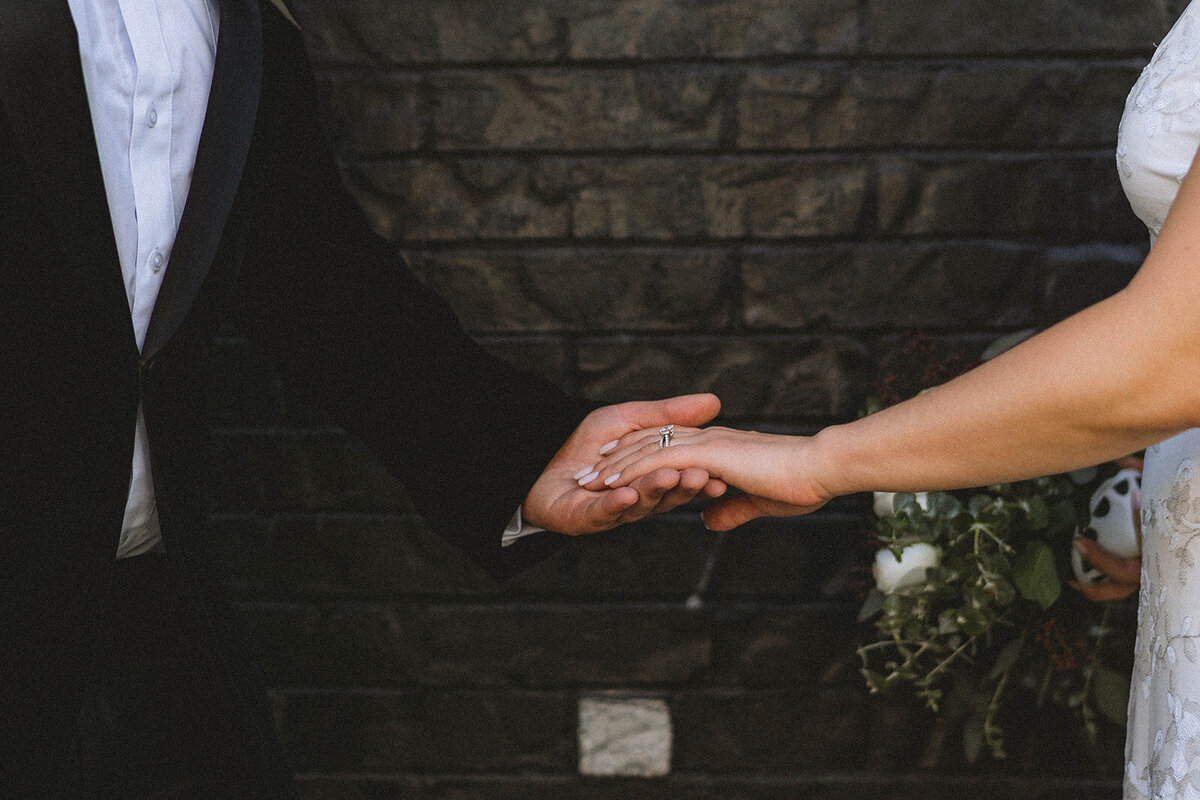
{"type": "Point", "coordinates": [634, 198]}
{"type": "Point", "coordinates": [990, 104]}
{"type": "Point", "coordinates": [577, 109]}
{"type": "Point", "coordinates": [582, 289]}
{"type": "Point", "coordinates": [624, 736]}
{"type": "Point", "coordinates": [372, 114]}
{"type": "Point", "coordinates": [1018, 26]}
{"type": "Point", "coordinates": [428, 731]}
{"type": "Point", "coordinates": [969, 286]}
{"type": "Point", "coordinates": [552, 30]}
{"type": "Point", "coordinates": [1063, 199]}
{"type": "Point", "coordinates": [637, 198]}
{"type": "Point", "coordinates": [778, 376]}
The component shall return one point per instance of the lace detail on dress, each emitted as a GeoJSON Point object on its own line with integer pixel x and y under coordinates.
{"type": "Point", "coordinates": [1155, 98]}
{"type": "Point", "coordinates": [1161, 125]}
{"type": "Point", "coordinates": [1163, 748]}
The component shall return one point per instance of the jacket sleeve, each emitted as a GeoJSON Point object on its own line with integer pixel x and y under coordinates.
{"type": "Point", "coordinates": [347, 322]}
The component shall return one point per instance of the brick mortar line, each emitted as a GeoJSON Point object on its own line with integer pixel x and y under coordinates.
{"type": "Point", "coordinates": [1031, 239]}
{"type": "Point", "coordinates": [713, 247]}
{"type": "Point", "coordinates": [863, 153]}
{"type": "Point", "coordinates": [716, 780]}
{"type": "Point", "coordinates": [472, 604]}
{"type": "Point", "coordinates": [1136, 58]}
{"type": "Point", "coordinates": [849, 64]}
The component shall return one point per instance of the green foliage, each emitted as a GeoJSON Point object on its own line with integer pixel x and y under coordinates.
{"type": "Point", "coordinates": [993, 616]}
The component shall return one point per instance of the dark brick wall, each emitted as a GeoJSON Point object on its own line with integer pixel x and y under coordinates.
{"type": "Point", "coordinates": [640, 197]}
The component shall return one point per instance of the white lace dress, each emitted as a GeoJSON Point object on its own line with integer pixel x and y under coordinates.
{"type": "Point", "coordinates": [1159, 134]}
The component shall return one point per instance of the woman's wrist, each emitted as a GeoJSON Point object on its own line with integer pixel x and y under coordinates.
{"type": "Point", "coordinates": [824, 463]}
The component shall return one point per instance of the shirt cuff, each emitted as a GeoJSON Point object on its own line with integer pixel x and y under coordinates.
{"type": "Point", "coordinates": [516, 529]}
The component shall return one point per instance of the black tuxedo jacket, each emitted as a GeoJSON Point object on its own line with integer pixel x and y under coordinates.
{"type": "Point", "coordinates": [267, 231]}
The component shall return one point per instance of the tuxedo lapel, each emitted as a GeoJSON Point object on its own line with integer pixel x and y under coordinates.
{"type": "Point", "coordinates": [220, 158]}
{"type": "Point", "coordinates": [45, 101]}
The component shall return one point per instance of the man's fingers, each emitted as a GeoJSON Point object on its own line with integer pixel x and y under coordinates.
{"type": "Point", "coordinates": [729, 513]}
{"type": "Point", "coordinates": [1118, 568]}
{"type": "Point", "coordinates": [1105, 590]}
{"type": "Point", "coordinates": [651, 489]}
{"type": "Point", "coordinates": [607, 508]}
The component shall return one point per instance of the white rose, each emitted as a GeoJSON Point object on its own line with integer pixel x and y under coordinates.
{"type": "Point", "coordinates": [892, 575]}
{"type": "Point", "coordinates": [885, 502]}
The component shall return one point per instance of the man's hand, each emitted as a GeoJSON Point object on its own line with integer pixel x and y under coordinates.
{"type": "Point", "coordinates": [558, 503]}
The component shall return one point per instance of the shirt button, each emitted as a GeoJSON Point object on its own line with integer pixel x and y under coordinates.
{"type": "Point", "coordinates": [157, 259]}
{"type": "Point", "coordinates": [151, 117]}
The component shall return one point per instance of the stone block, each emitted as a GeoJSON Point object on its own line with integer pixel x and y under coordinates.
{"type": "Point", "coordinates": [553, 645]}
{"type": "Point", "coordinates": [372, 114]}
{"type": "Point", "coordinates": [1003, 104]}
{"type": "Point", "coordinates": [795, 560]}
{"type": "Point", "coordinates": [1061, 198]}
{"type": "Point", "coordinates": [623, 735]}
{"type": "Point", "coordinates": [661, 558]}
{"type": "Point", "coordinates": [306, 645]}
{"type": "Point", "coordinates": [355, 644]}
{"type": "Point", "coordinates": [453, 31]}
{"type": "Point", "coordinates": [1019, 26]}
{"type": "Point", "coordinates": [783, 198]}
{"type": "Point", "coordinates": [577, 109]}
{"type": "Point", "coordinates": [581, 289]}
{"type": "Point", "coordinates": [425, 730]}
{"type": "Point", "coordinates": [639, 198]}
{"type": "Point", "coordinates": [796, 730]}
{"type": "Point", "coordinates": [698, 29]}
{"type": "Point", "coordinates": [462, 199]}
{"type": "Point", "coordinates": [918, 285]}
{"type": "Point", "coordinates": [786, 646]}
{"type": "Point", "coordinates": [1076, 277]}
{"type": "Point", "coordinates": [782, 377]}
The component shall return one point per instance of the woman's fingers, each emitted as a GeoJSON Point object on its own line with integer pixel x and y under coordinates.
{"type": "Point", "coordinates": [627, 464]}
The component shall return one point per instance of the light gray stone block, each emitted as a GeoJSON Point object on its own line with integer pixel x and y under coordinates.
{"type": "Point", "coordinates": [623, 735]}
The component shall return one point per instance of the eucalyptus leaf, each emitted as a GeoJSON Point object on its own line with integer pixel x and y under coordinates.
{"type": "Point", "coordinates": [872, 605]}
{"type": "Point", "coordinates": [1035, 576]}
{"type": "Point", "coordinates": [978, 504]}
{"type": "Point", "coordinates": [1007, 656]}
{"type": "Point", "coordinates": [1037, 511]}
{"type": "Point", "coordinates": [1112, 693]}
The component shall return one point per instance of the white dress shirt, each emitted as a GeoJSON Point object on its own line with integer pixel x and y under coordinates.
{"type": "Point", "coordinates": [147, 68]}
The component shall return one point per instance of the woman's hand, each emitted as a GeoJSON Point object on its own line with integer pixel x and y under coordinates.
{"type": "Point", "coordinates": [770, 470]}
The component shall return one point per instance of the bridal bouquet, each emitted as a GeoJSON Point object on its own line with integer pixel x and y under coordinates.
{"type": "Point", "coordinates": [970, 609]}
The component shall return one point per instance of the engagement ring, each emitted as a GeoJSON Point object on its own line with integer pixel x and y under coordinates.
{"type": "Point", "coordinates": [664, 436]}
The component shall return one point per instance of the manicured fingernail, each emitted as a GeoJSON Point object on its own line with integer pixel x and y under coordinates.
{"type": "Point", "coordinates": [608, 448]}
{"type": "Point", "coordinates": [1081, 544]}
{"type": "Point", "coordinates": [586, 479]}
{"type": "Point", "coordinates": [584, 471]}
{"type": "Point", "coordinates": [611, 479]}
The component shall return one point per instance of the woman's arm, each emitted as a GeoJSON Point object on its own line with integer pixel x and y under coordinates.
{"type": "Point", "coordinates": [1116, 377]}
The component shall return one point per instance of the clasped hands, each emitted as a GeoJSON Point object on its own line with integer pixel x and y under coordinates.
{"type": "Point", "coordinates": [641, 471]}
{"type": "Point", "coordinates": [612, 470]}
